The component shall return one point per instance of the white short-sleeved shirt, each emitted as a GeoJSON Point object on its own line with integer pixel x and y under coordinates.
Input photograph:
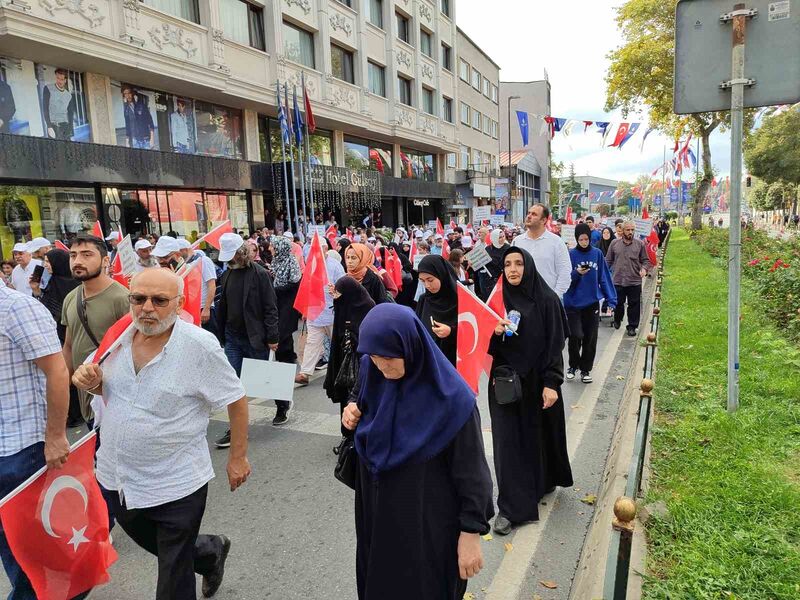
{"type": "Point", "coordinates": [154, 447]}
{"type": "Point", "coordinates": [20, 277]}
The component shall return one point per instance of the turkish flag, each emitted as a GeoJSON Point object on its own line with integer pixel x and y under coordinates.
{"type": "Point", "coordinates": [332, 233]}
{"type": "Point", "coordinates": [212, 237]}
{"type": "Point", "coordinates": [310, 121]}
{"type": "Point", "coordinates": [476, 323]}
{"type": "Point", "coordinates": [651, 242]}
{"type": "Point", "coordinates": [495, 302]}
{"type": "Point", "coordinates": [60, 245]}
{"type": "Point", "coordinates": [57, 527]}
{"type": "Point", "coordinates": [413, 251]}
{"type": "Point", "coordinates": [445, 249]}
{"type": "Point", "coordinates": [395, 267]}
{"type": "Point", "coordinates": [111, 339]}
{"type": "Point", "coordinates": [645, 214]}
{"type": "Point", "coordinates": [488, 239]}
{"type": "Point", "coordinates": [621, 133]}
{"type": "Point", "coordinates": [453, 224]}
{"type": "Point", "coordinates": [117, 274]}
{"type": "Point", "coordinates": [193, 293]}
{"type": "Point", "coordinates": [349, 234]}
{"type": "Point", "coordinates": [310, 300]}
{"type": "Point", "coordinates": [569, 219]}
{"type": "Point", "coordinates": [97, 231]}
{"type": "Point", "coordinates": [439, 227]}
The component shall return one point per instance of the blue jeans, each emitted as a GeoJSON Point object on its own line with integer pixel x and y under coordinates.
{"type": "Point", "coordinates": [237, 348]}
{"type": "Point", "coordinates": [143, 144]}
{"type": "Point", "coordinates": [14, 470]}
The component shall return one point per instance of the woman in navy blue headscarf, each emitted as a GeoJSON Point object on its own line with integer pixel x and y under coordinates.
{"type": "Point", "coordinates": [423, 487]}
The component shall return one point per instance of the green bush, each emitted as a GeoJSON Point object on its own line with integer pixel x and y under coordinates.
{"type": "Point", "coordinates": [772, 265]}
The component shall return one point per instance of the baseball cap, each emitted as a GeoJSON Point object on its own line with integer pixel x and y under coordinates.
{"type": "Point", "coordinates": [288, 234]}
{"type": "Point", "coordinates": [438, 236]}
{"type": "Point", "coordinates": [183, 244]}
{"type": "Point", "coordinates": [20, 247]}
{"type": "Point", "coordinates": [419, 233]}
{"type": "Point", "coordinates": [229, 243]}
{"type": "Point", "coordinates": [142, 245]}
{"type": "Point", "coordinates": [114, 236]}
{"type": "Point", "coordinates": [165, 246]}
{"type": "Point", "coordinates": [38, 243]}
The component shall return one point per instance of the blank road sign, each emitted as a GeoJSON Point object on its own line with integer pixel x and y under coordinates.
{"type": "Point", "coordinates": [703, 47]}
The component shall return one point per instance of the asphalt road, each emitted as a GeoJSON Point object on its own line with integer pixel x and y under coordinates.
{"type": "Point", "coordinates": [291, 525]}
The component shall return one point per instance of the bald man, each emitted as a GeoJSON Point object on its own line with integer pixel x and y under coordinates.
{"type": "Point", "coordinates": [154, 458]}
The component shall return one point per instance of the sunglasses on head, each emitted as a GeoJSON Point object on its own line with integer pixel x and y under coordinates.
{"type": "Point", "coordinates": [140, 299]}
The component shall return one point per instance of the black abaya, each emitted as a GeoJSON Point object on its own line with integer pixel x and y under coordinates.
{"type": "Point", "coordinates": [374, 286]}
{"type": "Point", "coordinates": [408, 521]}
{"type": "Point", "coordinates": [441, 306]}
{"type": "Point", "coordinates": [530, 442]}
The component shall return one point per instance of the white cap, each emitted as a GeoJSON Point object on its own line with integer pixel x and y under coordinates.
{"type": "Point", "coordinates": [418, 233]}
{"type": "Point", "coordinates": [438, 236]}
{"type": "Point", "coordinates": [20, 247]}
{"type": "Point", "coordinates": [371, 239]}
{"type": "Point", "coordinates": [229, 243]}
{"type": "Point", "coordinates": [165, 246]}
{"type": "Point", "coordinates": [288, 234]}
{"type": "Point", "coordinates": [38, 243]}
{"type": "Point", "coordinates": [142, 245]}
{"type": "Point", "coordinates": [184, 244]}
{"type": "Point", "coordinates": [466, 242]}
{"type": "Point", "coordinates": [114, 236]}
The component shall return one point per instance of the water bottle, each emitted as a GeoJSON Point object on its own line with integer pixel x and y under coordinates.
{"type": "Point", "coordinates": [512, 327]}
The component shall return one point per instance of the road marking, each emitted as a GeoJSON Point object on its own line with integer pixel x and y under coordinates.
{"type": "Point", "coordinates": [509, 577]}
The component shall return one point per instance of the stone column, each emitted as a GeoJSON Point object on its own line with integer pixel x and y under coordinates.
{"type": "Point", "coordinates": [98, 100]}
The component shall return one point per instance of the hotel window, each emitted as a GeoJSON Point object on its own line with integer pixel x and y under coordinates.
{"type": "Point", "coordinates": [185, 9]}
{"type": "Point", "coordinates": [464, 158]}
{"type": "Point", "coordinates": [243, 23]}
{"type": "Point", "coordinates": [486, 85]}
{"type": "Point", "coordinates": [451, 160]}
{"type": "Point", "coordinates": [366, 155]}
{"type": "Point", "coordinates": [447, 57]}
{"type": "Point", "coordinates": [298, 45]}
{"type": "Point", "coordinates": [342, 64]}
{"type": "Point", "coordinates": [447, 109]}
{"type": "Point", "coordinates": [404, 90]}
{"type": "Point", "coordinates": [426, 43]}
{"type": "Point", "coordinates": [494, 93]}
{"type": "Point", "coordinates": [446, 7]}
{"type": "Point", "coordinates": [320, 143]}
{"type": "Point", "coordinates": [377, 79]}
{"type": "Point", "coordinates": [427, 101]}
{"type": "Point", "coordinates": [476, 79]}
{"type": "Point", "coordinates": [463, 69]}
{"type": "Point", "coordinates": [403, 29]}
{"type": "Point", "coordinates": [375, 12]}
{"type": "Point", "coordinates": [417, 165]}
{"type": "Point", "coordinates": [487, 125]}
{"type": "Point", "coordinates": [465, 113]}
{"type": "Point", "coordinates": [476, 120]}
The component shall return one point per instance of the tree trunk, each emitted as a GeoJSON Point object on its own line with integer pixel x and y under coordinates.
{"type": "Point", "coordinates": [701, 189]}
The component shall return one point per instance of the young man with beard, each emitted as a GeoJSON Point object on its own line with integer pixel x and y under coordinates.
{"type": "Point", "coordinates": [628, 260]}
{"type": "Point", "coordinates": [91, 308]}
{"type": "Point", "coordinates": [154, 459]}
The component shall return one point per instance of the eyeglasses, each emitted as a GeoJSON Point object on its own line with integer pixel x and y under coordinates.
{"type": "Point", "coordinates": [159, 301]}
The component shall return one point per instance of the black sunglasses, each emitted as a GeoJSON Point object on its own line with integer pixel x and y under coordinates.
{"type": "Point", "coordinates": [159, 301]}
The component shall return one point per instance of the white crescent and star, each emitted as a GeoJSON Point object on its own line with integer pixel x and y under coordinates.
{"type": "Point", "coordinates": [64, 482]}
{"type": "Point", "coordinates": [470, 319]}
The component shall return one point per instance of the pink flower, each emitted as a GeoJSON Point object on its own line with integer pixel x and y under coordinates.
{"type": "Point", "coordinates": [753, 263]}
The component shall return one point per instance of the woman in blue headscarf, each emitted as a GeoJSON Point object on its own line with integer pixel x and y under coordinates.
{"type": "Point", "coordinates": [423, 487]}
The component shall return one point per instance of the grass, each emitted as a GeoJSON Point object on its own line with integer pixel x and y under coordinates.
{"type": "Point", "coordinates": [731, 483]}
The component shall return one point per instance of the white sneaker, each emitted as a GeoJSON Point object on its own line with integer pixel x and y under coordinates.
{"type": "Point", "coordinates": [570, 374]}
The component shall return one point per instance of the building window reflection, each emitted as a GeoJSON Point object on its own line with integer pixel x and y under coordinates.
{"type": "Point", "coordinates": [366, 155]}
{"type": "Point", "coordinates": [417, 165]}
{"type": "Point", "coordinates": [320, 144]}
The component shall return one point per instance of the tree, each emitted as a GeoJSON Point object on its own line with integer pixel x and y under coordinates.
{"type": "Point", "coordinates": [557, 170]}
{"type": "Point", "coordinates": [757, 196]}
{"type": "Point", "coordinates": [571, 185]}
{"type": "Point", "coordinates": [603, 210]}
{"type": "Point", "coordinates": [641, 76]}
{"type": "Point", "coordinates": [624, 192]}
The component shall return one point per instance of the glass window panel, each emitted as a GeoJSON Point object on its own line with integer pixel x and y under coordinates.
{"type": "Point", "coordinates": [417, 165]}
{"type": "Point", "coordinates": [377, 79]}
{"type": "Point", "coordinates": [447, 109]}
{"type": "Point", "coordinates": [366, 155]}
{"type": "Point", "coordinates": [451, 160]}
{"type": "Point", "coordinates": [219, 130]}
{"type": "Point", "coordinates": [298, 45]}
{"type": "Point", "coordinates": [476, 79]}
{"type": "Point", "coordinates": [255, 23]}
{"type": "Point", "coordinates": [486, 87]}
{"type": "Point", "coordinates": [320, 145]}
{"type": "Point", "coordinates": [348, 3]}
{"type": "Point", "coordinates": [403, 31]}
{"type": "Point", "coordinates": [494, 93]}
{"type": "Point", "coordinates": [426, 43]}
{"type": "Point", "coordinates": [465, 113]}
{"type": "Point", "coordinates": [427, 101]}
{"type": "Point", "coordinates": [185, 9]}
{"type": "Point", "coordinates": [476, 120]}
{"type": "Point", "coordinates": [463, 69]}
{"type": "Point", "coordinates": [375, 12]}
{"type": "Point", "coordinates": [487, 122]}
{"type": "Point", "coordinates": [464, 158]}
{"type": "Point", "coordinates": [404, 90]}
{"type": "Point", "coordinates": [447, 57]}
{"type": "Point", "coordinates": [446, 7]}
{"type": "Point", "coordinates": [342, 64]}
{"type": "Point", "coordinates": [234, 16]}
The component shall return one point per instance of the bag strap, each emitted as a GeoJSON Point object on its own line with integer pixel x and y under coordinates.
{"type": "Point", "coordinates": [84, 321]}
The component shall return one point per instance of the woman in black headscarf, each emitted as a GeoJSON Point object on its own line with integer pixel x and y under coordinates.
{"type": "Point", "coordinates": [343, 243]}
{"type": "Point", "coordinates": [606, 237]}
{"type": "Point", "coordinates": [437, 308]}
{"type": "Point", "coordinates": [409, 284]}
{"type": "Point", "coordinates": [423, 488]}
{"type": "Point", "coordinates": [351, 303]}
{"type": "Point", "coordinates": [529, 434]}
{"type": "Point", "coordinates": [61, 283]}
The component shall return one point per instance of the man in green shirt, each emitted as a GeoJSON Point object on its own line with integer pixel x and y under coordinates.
{"type": "Point", "coordinates": [104, 302]}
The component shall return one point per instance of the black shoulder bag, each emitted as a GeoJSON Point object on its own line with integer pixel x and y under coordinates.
{"type": "Point", "coordinates": [82, 317]}
{"type": "Point", "coordinates": [348, 372]}
{"type": "Point", "coordinates": [345, 470]}
{"type": "Point", "coordinates": [507, 385]}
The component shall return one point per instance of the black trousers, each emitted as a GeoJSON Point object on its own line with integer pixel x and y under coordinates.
{"type": "Point", "coordinates": [633, 294]}
{"type": "Point", "coordinates": [583, 325]}
{"type": "Point", "coordinates": [170, 532]}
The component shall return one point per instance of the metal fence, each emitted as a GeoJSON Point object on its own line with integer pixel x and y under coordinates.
{"type": "Point", "coordinates": [618, 563]}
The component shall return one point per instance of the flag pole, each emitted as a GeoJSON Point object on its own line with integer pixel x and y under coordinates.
{"type": "Point", "coordinates": [291, 163]}
{"type": "Point", "coordinates": [283, 156]}
{"type": "Point", "coordinates": [308, 149]}
{"type": "Point", "coordinates": [300, 166]}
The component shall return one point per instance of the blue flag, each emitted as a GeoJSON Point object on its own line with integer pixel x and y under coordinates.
{"type": "Point", "coordinates": [297, 121]}
{"type": "Point", "coordinates": [522, 117]}
{"type": "Point", "coordinates": [282, 120]}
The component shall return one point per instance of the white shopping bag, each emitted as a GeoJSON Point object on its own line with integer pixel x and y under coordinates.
{"type": "Point", "coordinates": [268, 379]}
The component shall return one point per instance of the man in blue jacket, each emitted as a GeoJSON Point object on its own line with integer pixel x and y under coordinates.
{"type": "Point", "coordinates": [591, 283]}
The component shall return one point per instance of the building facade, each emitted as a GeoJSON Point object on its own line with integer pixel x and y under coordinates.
{"type": "Point", "coordinates": [478, 128]}
{"type": "Point", "coordinates": [160, 115]}
{"type": "Point", "coordinates": [532, 97]}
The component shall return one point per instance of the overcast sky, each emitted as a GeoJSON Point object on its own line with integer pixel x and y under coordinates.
{"type": "Point", "coordinates": [570, 39]}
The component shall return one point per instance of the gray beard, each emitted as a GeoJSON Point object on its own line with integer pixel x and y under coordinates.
{"type": "Point", "coordinates": [158, 328]}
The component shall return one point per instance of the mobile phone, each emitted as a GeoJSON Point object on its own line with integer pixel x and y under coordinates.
{"type": "Point", "coordinates": [173, 264]}
{"type": "Point", "coordinates": [38, 270]}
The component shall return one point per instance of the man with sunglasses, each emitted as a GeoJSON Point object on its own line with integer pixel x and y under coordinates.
{"type": "Point", "coordinates": [161, 385]}
{"type": "Point", "coordinates": [91, 308]}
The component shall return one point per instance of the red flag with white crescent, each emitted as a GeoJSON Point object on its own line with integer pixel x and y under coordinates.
{"type": "Point", "coordinates": [569, 219]}
{"type": "Point", "coordinates": [651, 242]}
{"type": "Point", "coordinates": [439, 227]}
{"type": "Point", "coordinates": [193, 293]}
{"type": "Point", "coordinates": [332, 233]}
{"type": "Point", "coordinates": [621, 133]}
{"type": "Point", "coordinates": [395, 268]}
{"type": "Point", "coordinates": [56, 524]}
{"type": "Point", "coordinates": [476, 324]}
{"type": "Point", "coordinates": [212, 237]}
{"type": "Point", "coordinates": [445, 249]}
{"type": "Point", "coordinates": [413, 252]}
{"type": "Point", "coordinates": [110, 340]}
{"type": "Point", "coordinates": [310, 300]}
{"type": "Point", "coordinates": [495, 302]}
{"type": "Point", "coordinates": [117, 274]}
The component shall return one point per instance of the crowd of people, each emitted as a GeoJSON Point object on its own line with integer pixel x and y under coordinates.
{"type": "Point", "coordinates": [388, 338]}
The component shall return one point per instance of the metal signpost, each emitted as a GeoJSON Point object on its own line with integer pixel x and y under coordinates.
{"type": "Point", "coordinates": [708, 63]}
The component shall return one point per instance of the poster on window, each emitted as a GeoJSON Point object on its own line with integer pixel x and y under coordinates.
{"type": "Point", "coordinates": [219, 130]}
{"type": "Point", "coordinates": [42, 101]}
{"type": "Point", "coordinates": [136, 119]}
{"type": "Point", "coordinates": [501, 197]}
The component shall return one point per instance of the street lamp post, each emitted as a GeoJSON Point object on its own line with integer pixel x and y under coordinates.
{"type": "Point", "coordinates": [510, 179]}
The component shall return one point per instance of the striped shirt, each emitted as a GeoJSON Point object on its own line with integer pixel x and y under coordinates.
{"type": "Point", "coordinates": [27, 332]}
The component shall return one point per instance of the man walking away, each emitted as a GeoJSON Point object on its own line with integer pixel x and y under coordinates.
{"type": "Point", "coordinates": [628, 260]}
{"type": "Point", "coordinates": [247, 313]}
{"type": "Point", "coordinates": [34, 399]}
{"type": "Point", "coordinates": [549, 252]}
{"type": "Point", "coordinates": [161, 385]}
